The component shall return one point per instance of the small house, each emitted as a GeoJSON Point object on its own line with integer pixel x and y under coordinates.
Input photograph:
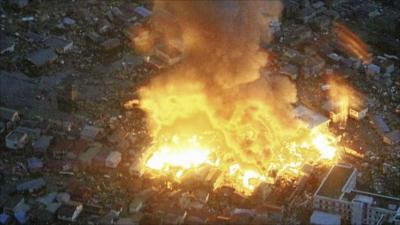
{"type": "Point", "coordinates": [61, 148]}
{"type": "Point", "coordinates": [13, 204]}
{"type": "Point", "coordinates": [91, 132]}
{"type": "Point", "coordinates": [373, 70]}
{"type": "Point", "coordinates": [42, 143]}
{"type": "Point", "coordinates": [9, 117]}
{"type": "Point", "coordinates": [34, 164]}
{"type": "Point", "coordinates": [31, 185]}
{"type": "Point", "coordinates": [87, 158]}
{"type": "Point", "coordinates": [136, 205]}
{"type": "Point", "coordinates": [69, 212]}
{"type": "Point", "coordinates": [168, 53]}
{"type": "Point", "coordinates": [113, 159]}
{"type": "Point", "coordinates": [33, 133]}
{"type": "Point", "coordinates": [16, 140]}
{"type": "Point", "coordinates": [41, 57]}
{"type": "Point", "coordinates": [358, 111]}
{"type": "Point", "coordinates": [392, 138]}
{"type": "Point", "coordinates": [380, 125]}
{"type": "Point", "coordinates": [5, 219]}
{"type": "Point", "coordinates": [59, 44]}
{"type": "Point", "coordinates": [142, 12]}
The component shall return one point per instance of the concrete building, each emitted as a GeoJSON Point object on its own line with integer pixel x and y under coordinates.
{"type": "Point", "coordinates": [338, 195]}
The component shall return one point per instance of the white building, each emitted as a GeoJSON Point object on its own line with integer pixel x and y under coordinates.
{"type": "Point", "coordinates": [338, 195]}
{"type": "Point", "coordinates": [311, 118]}
{"type": "Point", "coordinates": [113, 159]}
{"type": "Point", "coordinates": [358, 107]}
{"type": "Point", "coordinates": [16, 140]}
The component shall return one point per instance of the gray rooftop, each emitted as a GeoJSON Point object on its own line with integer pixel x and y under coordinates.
{"type": "Point", "coordinates": [319, 217]}
{"type": "Point", "coordinates": [41, 57]}
{"type": "Point", "coordinates": [15, 135]}
{"type": "Point", "coordinates": [333, 184]}
{"type": "Point", "coordinates": [380, 124]}
{"type": "Point", "coordinates": [313, 119]}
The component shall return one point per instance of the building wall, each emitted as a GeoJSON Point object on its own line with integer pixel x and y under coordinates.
{"type": "Point", "coordinates": [336, 206]}
{"type": "Point", "coordinates": [358, 213]}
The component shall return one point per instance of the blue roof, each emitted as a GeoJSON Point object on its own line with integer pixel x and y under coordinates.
{"type": "Point", "coordinates": [4, 218]}
{"type": "Point", "coordinates": [142, 11]}
{"type": "Point", "coordinates": [319, 217]}
{"type": "Point", "coordinates": [31, 185]}
{"type": "Point", "coordinates": [47, 199]}
{"type": "Point", "coordinates": [35, 163]}
{"type": "Point", "coordinates": [21, 217]}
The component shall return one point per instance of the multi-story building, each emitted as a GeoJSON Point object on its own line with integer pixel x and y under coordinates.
{"type": "Point", "coordinates": [338, 195]}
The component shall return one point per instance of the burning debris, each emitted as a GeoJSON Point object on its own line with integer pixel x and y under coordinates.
{"type": "Point", "coordinates": [215, 109]}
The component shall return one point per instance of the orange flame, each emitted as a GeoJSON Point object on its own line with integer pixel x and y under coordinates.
{"type": "Point", "coordinates": [352, 43]}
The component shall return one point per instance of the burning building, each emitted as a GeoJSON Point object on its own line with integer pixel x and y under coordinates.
{"type": "Point", "coordinates": [214, 110]}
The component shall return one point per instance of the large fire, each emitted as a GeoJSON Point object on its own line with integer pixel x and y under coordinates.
{"type": "Point", "coordinates": [248, 145]}
{"type": "Point", "coordinates": [343, 97]}
{"type": "Point", "coordinates": [185, 154]}
{"type": "Point", "coordinates": [214, 112]}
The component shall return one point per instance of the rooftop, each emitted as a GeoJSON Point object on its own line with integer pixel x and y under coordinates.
{"type": "Point", "coordinates": [319, 217]}
{"type": "Point", "coordinates": [142, 11]}
{"type": "Point", "coordinates": [169, 50]}
{"type": "Point", "coordinates": [334, 182]}
{"type": "Point", "coordinates": [15, 135]}
{"type": "Point", "coordinates": [376, 200]}
{"type": "Point", "coordinates": [394, 136]}
{"type": "Point", "coordinates": [41, 57]}
{"type": "Point", "coordinates": [380, 124]}
{"type": "Point", "coordinates": [6, 113]}
{"type": "Point", "coordinates": [31, 185]}
{"type": "Point", "coordinates": [313, 119]}
{"type": "Point", "coordinates": [66, 210]}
